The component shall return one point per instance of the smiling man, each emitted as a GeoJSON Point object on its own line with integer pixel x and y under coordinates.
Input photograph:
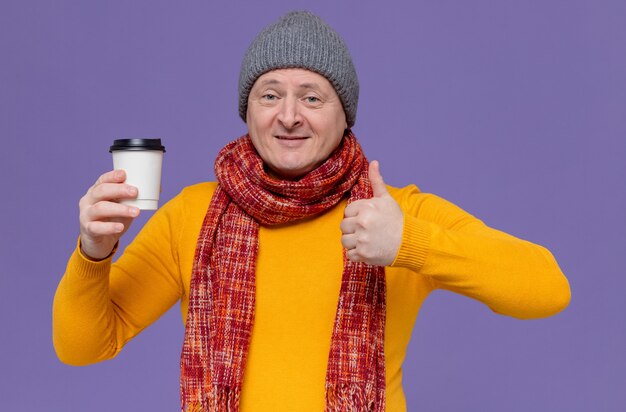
{"type": "Point", "coordinates": [300, 272]}
{"type": "Point", "coordinates": [295, 120]}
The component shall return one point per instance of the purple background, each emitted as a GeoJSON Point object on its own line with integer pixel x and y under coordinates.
{"type": "Point", "coordinates": [514, 110]}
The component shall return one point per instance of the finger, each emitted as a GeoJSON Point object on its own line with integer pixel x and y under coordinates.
{"type": "Point", "coordinates": [349, 241]}
{"type": "Point", "coordinates": [378, 184]}
{"type": "Point", "coordinates": [348, 226]}
{"type": "Point", "coordinates": [113, 176]}
{"type": "Point", "coordinates": [354, 208]}
{"type": "Point", "coordinates": [353, 255]}
{"type": "Point", "coordinates": [112, 191]}
{"type": "Point", "coordinates": [110, 210]}
{"type": "Point", "coordinates": [96, 228]}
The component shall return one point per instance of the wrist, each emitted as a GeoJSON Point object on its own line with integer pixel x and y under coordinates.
{"type": "Point", "coordinates": [95, 256]}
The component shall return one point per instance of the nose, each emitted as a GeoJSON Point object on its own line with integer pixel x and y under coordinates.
{"type": "Point", "coordinates": [289, 115]}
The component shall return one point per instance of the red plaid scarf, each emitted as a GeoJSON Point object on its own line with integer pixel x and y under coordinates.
{"type": "Point", "coordinates": [221, 302]}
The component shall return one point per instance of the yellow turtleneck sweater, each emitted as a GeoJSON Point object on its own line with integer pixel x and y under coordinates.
{"type": "Point", "coordinates": [99, 306]}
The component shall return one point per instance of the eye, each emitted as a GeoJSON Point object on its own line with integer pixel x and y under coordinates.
{"type": "Point", "coordinates": [269, 97]}
{"type": "Point", "coordinates": [312, 99]}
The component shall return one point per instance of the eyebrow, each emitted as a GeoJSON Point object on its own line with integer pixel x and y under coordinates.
{"type": "Point", "coordinates": [269, 81]}
{"type": "Point", "coordinates": [313, 86]}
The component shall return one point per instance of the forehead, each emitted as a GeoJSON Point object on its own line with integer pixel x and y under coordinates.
{"type": "Point", "coordinates": [297, 77]}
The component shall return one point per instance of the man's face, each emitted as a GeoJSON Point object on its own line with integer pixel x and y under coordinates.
{"type": "Point", "coordinates": [295, 120]}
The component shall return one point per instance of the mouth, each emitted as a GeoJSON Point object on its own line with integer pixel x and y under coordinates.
{"type": "Point", "coordinates": [290, 137]}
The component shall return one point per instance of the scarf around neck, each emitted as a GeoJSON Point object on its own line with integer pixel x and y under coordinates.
{"type": "Point", "coordinates": [222, 291]}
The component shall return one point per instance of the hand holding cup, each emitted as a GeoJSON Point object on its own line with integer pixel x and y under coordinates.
{"type": "Point", "coordinates": [110, 205]}
{"type": "Point", "coordinates": [103, 220]}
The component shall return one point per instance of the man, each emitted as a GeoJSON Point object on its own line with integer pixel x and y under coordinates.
{"type": "Point", "coordinates": [300, 273]}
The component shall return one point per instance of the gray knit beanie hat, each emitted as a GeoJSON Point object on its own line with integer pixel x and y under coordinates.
{"type": "Point", "coordinates": [301, 40]}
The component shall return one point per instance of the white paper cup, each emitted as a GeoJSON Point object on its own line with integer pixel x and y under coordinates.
{"type": "Point", "coordinates": [142, 160]}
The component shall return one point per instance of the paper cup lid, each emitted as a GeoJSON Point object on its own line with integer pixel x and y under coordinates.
{"type": "Point", "coordinates": [137, 144]}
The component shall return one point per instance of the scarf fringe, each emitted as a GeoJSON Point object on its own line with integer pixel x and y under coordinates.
{"type": "Point", "coordinates": [347, 398]}
{"type": "Point", "coordinates": [220, 399]}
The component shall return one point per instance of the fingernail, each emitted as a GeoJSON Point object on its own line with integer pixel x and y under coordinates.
{"type": "Point", "coordinates": [134, 211]}
{"type": "Point", "coordinates": [132, 191]}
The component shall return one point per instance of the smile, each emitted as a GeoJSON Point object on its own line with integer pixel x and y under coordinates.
{"type": "Point", "coordinates": [291, 137]}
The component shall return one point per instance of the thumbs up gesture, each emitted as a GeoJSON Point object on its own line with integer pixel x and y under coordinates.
{"type": "Point", "coordinates": [372, 228]}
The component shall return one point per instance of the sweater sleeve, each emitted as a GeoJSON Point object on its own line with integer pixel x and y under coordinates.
{"type": "Point", "coordinates": [99, 306]}
{"type": "Point", "coordinates": [459, 253]}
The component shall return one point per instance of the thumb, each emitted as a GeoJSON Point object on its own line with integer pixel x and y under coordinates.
{"type": "Point", "coordinates": [378, 184]}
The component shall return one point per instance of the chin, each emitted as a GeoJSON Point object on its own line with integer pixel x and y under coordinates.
{"type": "Point", "coordinates": [291, 172]}
{"type": "Point", "coordinates": [292, 168]}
